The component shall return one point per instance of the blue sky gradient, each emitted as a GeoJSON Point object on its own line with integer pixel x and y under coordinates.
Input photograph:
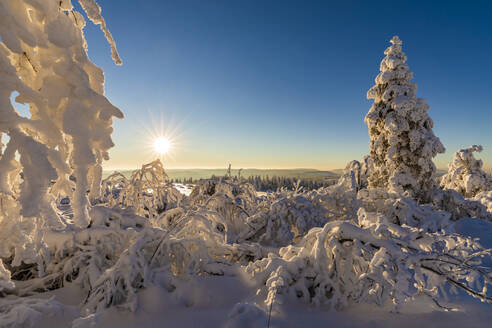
{"type": "Point", "coordinates": [282, 84]}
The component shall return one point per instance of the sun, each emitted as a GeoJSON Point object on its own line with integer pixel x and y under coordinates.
{"type": "Point", "coordinates": [161, 145]}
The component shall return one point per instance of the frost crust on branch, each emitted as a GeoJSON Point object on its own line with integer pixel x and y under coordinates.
{"type": "Point", "coordinates": [43, 58]}
{"type": "Point", "coordinates": [402, 143]}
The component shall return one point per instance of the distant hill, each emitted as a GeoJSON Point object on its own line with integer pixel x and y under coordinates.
{"type": "Point", "coordinates": [196, 174]}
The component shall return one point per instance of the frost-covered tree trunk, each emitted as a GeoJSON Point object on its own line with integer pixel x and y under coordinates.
{"type": "Point", "coordinates": [402, 143]}
{"type": "Point", "coordinates": [43, 57]}
{"type": "Point", "coordinates": [465, 174]}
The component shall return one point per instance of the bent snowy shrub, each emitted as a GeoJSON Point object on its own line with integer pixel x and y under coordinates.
{"type": "Point", "coordinates": [147, 191]}
{"type": "Point", "coordinates": [465, 174]}
{"type": "Point", "coordinates": [374, 261]}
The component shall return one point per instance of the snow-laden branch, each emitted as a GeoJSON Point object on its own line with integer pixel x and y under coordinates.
{"type": "Point", "coordinates": [372, 261]}
{"type": "Point", "coordinates": [43, 58]}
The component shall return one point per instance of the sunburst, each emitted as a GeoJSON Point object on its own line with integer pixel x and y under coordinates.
{"type": "Point", "coordinates": [162, 145]}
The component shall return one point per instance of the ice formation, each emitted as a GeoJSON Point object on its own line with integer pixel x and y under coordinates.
{"type": "Point", "coordinates": [465, 174]}
{"type": "Point", "coordinates": [402, 143]}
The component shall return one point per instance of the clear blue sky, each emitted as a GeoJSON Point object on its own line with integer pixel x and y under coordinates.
{"type": "Point", "coordinates": [282, 84]}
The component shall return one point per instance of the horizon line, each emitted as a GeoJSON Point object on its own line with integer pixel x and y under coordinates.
{"type": "Point", "coordinates": [225, 168]}
{"type": "Point", "coordinates": [247, 168]}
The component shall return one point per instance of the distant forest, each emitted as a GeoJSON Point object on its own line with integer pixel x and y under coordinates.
{"type": "Point", "coordinates": [274, 183]}
{"type": "Point", "coordinates": [262, 179]}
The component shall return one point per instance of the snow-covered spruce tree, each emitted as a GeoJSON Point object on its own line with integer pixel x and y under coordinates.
{"type": "Point", "coordinates": [402, 143]}
{"type": "Point", "coordinates": [43, 58]}
{"type": "Point", "coordinates": [465, 174]}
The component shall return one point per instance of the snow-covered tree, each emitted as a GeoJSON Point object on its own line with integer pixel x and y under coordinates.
{"type": "Point", "coordinates": [43, 59]}
{"type": "Point", "coordinates": [356, 174]}
{"type": "Point", "coordinates": [402, 143]}
{"type": "Point", "coordinates": [465, 174]}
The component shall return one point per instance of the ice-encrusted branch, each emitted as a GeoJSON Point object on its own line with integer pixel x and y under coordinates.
{"type": "Point", "coordinates": [93, 11]}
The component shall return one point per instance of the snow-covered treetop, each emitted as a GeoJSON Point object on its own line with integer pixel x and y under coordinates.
{"type": "Point", "coordinates": [43, 57]}
{"type": "Point", "coordinates": [396, 40]}
{"type": "Point", "coordinates": [465, 174]}
{"type": "Point", "coordinates": [402, 143]}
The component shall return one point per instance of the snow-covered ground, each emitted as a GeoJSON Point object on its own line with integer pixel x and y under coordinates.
{"type": "Point", "coordinates": [213, 309]}
{"type": "Point", "coordinates": [185, 189]}
{"type": "Point", "coordinates": [229, 301]}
